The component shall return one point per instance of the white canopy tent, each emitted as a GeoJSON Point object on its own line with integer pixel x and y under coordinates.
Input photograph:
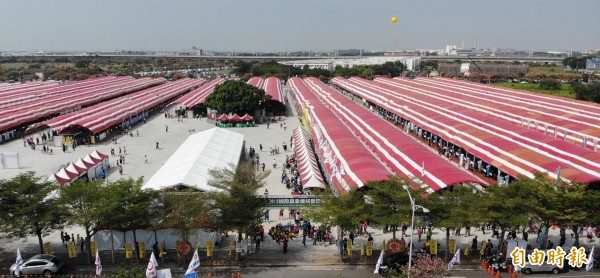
{"type": "Point", "coordinates": [189, 165]}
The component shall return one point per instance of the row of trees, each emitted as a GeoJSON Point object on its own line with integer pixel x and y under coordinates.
{"type": "Point", "coordinates": [32, 206]}
{"type": "Point", "coordinates": [79, 68]}
{"type": "Point", "coordinates": [516, 206]}
{"type": "Point", "coordinates": [272, 68]}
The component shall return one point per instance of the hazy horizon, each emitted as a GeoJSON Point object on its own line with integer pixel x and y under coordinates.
{"type": "Point", "coordinates": [274, 26]}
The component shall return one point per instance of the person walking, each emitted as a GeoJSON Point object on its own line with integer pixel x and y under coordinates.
{"type": "Point", "coordinates": [145, 159]}
{"type": "Point", "coordinates": [420, 233]}
{"type": "Point", "coordinates": [166, 128]}
{"type": "Point", "coordinates": [157, 145]}
{"type": "Point", "coordinates": [429, 234]}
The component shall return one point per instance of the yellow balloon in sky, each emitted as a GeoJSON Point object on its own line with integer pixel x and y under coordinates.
{"type": "Point", "coordinates": [394, 19]}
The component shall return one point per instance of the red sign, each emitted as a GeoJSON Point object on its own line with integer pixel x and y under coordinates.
{"type": "Point", "coordinates": [183, 247]}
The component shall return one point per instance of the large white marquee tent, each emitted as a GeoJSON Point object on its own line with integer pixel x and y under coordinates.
{"type": "Point", "coordinates": [189, 165]}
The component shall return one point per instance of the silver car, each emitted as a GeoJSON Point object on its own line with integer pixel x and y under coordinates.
{"type": "Point", "coordinates": [39, 265]}
{"type": "Point", "coordinates": [545, 267]}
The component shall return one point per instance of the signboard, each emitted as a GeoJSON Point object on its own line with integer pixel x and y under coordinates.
{"type": "Point", "coordinates": [433, 247]}
{"type": "Point", "coordinates": [183, 248]}
{"type": "Point", "coordinates": [128, 251]}
{"type": "Point", "coordinates": [72, 252]}
{"type": "Point", "coordinates": [238, 247]}
{"type": "Point", "coordinates": [292, 202]}
{"type": "Point", "coordinates": [244, 245]}
{"type": "Point", "coordinates": [142, 247]}
{"type": "Point", "coordinates": [163, 273]}
{"type": "Point", "coordinates": [349, 243]}
{"type": "Point", "coordinates": [209, 248]}
{"type": "Point", "coordinates": [452, 244]}
{"type": "Point", "coordinates": [93, 247]}
{"type": "Point", "coordinates": [47, 248]}
{"type": "Point", "coordinates": [369, 248]}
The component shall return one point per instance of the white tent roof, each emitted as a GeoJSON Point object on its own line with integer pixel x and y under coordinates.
{"type": "Point", "coordinates": [189, 165]}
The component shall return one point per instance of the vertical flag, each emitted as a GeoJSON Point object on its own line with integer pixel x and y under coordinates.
{"type": "Point", "coordinates": [423, 169]}
{"type": "Point", "coordinates": [195, 263]}
{"type": "Point", "coordinates": [19, 262]}
{"type": "Point", "coordinates": [590, 264]}
{"type": "Point", "coordinates": [98, 264]}
{"type": "Point", "coordinates": [595, 144]}
{"type": "Point", "coordinates": [565, 135]}
{"type": "Point", "coordinates": [585, 139]}
{"type": "Point", "coordinates": [152, 266]}
{"type": "Point", "coordinates": [379, 261]}
{"type": "Point", "coordinates": [455, 260]}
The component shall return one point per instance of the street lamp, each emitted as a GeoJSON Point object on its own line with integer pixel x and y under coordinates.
{"type": "Point", "coordinates": [413, 207]}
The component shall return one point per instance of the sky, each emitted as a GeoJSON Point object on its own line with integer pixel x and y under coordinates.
{"type": "Point", "coordinates": [283, 25]}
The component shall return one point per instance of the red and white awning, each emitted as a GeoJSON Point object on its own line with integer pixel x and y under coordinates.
{"type": "Point", "coordinates": [310, 175]}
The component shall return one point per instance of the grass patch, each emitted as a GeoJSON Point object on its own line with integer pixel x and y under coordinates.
{"type": "Point", "coordinates": [222, 72]}
{"type": "Point", "coordinates": [565, 89]}
{"type": "Point", "coordinates": [548, 70]}
{"type": "Point", "coordinates": [9, 66]}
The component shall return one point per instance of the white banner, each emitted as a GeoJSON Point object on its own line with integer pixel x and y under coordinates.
{"type": "Point", "coordinates": [163, 273]}
{"type": "Point", "coordinates": [168, 237]}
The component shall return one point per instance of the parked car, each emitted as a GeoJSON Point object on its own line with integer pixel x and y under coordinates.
{"type": "Point", "coordinates": [393, 261]}
{"type": "Point", "coordinates": [39, 265]}
{"type": "Point", "coordinates": [545, 267]}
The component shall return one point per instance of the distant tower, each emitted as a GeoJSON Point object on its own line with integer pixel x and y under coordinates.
{"type": "Point", "coordinates": [476, 43]}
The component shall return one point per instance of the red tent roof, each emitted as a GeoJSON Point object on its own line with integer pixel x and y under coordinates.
{"type": "Point", "coordinates": [403, 154]}
{"type": "Point", "coordinates": [513, 149]}
{"type": "Point", "coordinates": [223, 117]}
{"type": "Point", "coordinates": [247, 117]}
{"type": "Point", "coordinates": [348, 162]}
{"type": "Point", "coordinates": [235, 118]}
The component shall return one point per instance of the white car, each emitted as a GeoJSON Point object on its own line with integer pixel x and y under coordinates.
{"type": "Point", "coordinates": [39, 265]}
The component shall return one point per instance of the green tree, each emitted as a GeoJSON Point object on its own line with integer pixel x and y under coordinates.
{"type": "Point", "coordinates": [183, 211]}
{"type": "Point", "coordinates": [388, 203]}
{"type": "Point", "coordinates": [346, 211]}
{"type": "Point", "coordinates": [236, 205]}
{"type": "Point", "coordinates": [506, 207]}
{"type": "Point", "coordinates": [451, 209]}
{"type": "Point", "coordinates": [87, 206]}
{"type": "Point", "coordinates": [129, 205]}
{"type": "Point", "coordinates": [236, 97]}
{"type": "Point", "coordinates": [587, 92]}
{"type": "Point", "coordinates": [550, 84]}
{"type": "Point", "coordinates": [578, 207]}
{"type": "Point", "coordinates": [29, 207]}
